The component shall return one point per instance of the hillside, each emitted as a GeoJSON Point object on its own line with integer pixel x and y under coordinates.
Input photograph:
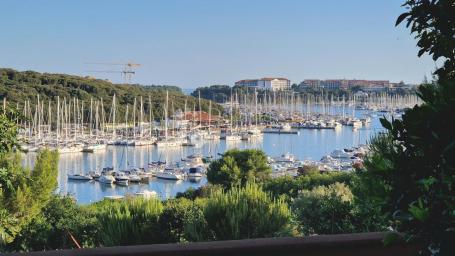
{"type": "Point", "coordinates": [18, 87]}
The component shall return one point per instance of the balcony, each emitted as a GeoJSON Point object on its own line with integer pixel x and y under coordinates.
{"type": "Point", "coordinates": [331, 245]}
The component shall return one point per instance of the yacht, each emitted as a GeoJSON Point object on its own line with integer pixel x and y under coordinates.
{"type": "Point", "coordinates": [170, 174]}
{"type": "Point", "coordinates": [193, 160]}
{"type": "Point", "coordinates": [195, 172]}
{"type": "Point", "coordinates": [133, 177]}
{"type": "Point", "coordinates": [121, 178]}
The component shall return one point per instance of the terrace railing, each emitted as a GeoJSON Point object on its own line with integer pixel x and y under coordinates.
{"type": "Point", "coordinates": [368, 244]}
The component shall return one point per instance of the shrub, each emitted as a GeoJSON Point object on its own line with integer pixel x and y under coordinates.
{"type": "Point", "coordinates": [172, 219]}
{"type": "Point", "coordinates": [129, 221]}
{"type": "Point", "coordinates": [240, 213]}
{"type": "Point", "coordinates": [200, 192]}
{"type": "Point", "coordinates": [51, 230]}
{"type": "Point", "coordinates": [325, 210]}
{"type": "Point", "coordinates": [24, 193]}
{"type": "Point", "coordinates": [237, 167]}
{"type": "Point", "coordinates": [289, 186]}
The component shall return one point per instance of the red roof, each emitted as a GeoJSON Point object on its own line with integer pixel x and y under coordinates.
{"type": "Point", "coordinates": [199, 115]}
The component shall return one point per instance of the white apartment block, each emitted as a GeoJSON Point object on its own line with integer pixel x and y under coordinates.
{"type": "Point", "coordinates": [267, 83]}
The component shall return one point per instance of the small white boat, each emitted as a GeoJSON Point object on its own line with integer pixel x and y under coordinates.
{"type": "Point", "coordinates": [134, 178]}
{"type": "Point", "coordinates": [193, 160]}
{"type": "Point", "coordinates": [121, 178]}
{"type": "Point", "coordinates": [95, 175]}
{"type": "Point", "coordinates": [340, 154]}
{"type": "Point", "coordinates": [285, 127]}
{"type": "Point", "coordinates": [147, 194]}
{"type": "Point", "coordinates": [211, 136]}
{"type": "Point", "coordinates": [169, 143]}
{"type": "Point", "coordinates": [106, 179]}
{"type": "Point", "coordinates": [79, 177]}
{"type": "Point", "coordinates": [195, 172]}
{"type": "Point", "coordinates": [122, 182]}
{"type": "Point", "coordinates": [233, 137]}
{"type": "Point", "coordinates": [170, 174]}
{"type": "Point", "coordinates": [285, 158]}
{"type": "Point", "coordinates": [94, 147]}
{"type": "Point", "coordinates": [115, 197]}
{"type": "Point", "coordinates": [70, 149]}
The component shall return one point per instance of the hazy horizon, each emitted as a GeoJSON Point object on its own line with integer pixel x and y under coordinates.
{"type": "Point", "coordinates": [199, 43]}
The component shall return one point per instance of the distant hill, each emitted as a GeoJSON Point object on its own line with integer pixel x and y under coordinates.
{"type": "Point", "coordinates": [217, 93]}
{"type": "Point", "coordinates": [18, 87]}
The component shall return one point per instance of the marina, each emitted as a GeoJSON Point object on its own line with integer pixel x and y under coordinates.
{"type": "Point", "coordinates": [103, 155]}
{"type": "Point", "coordinates": [310, 146]}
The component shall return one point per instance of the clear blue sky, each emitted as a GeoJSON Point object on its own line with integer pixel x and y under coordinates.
{"type": "Point", "coordinates": [191, 43]}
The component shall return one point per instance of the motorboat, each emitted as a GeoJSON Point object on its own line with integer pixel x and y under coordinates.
{"type": "Point", "coordinates": [233, 137]}
{"type": "Point", "coordinates": [106, 179]}
{"type": "Point", "coordinates": [195, 172]}
{"type": "Point", "coordinates": [94, 147]}
{"type": "Point", "coordinates": [193, 160]}
{"type": "Point", "coordinates": [284, 158]}
{"type": "Point", "coordinates": [95, 175]}
{"type": "Point", "coordinates": [169, 143]}
{"type": "Point", "coordinates": [285, 127]}
{"type": "Point", "coordinates": [70, 149]}
{"type": "Point", "coordinates": [81, 177]}
{"type": "Point", "coordinates": [340, 154]}
{"type": "Point", "coordinates": [121, 178]}
{"type": "Point", "coordinates": [132, 175]}
{"type": "Point", "coordinates": [170, 174]}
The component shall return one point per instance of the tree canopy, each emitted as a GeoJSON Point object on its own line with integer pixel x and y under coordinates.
{"type": "Point", "coordinates": [23, 193]}
{"type": "Point", "coordinates": [414, 162]}
{"type": "Point", "coordinates": [237, 167]}
{"type": "Point", "coordinates": [433, 24]}
{"type": "Point", "coordinates": [17, 87]}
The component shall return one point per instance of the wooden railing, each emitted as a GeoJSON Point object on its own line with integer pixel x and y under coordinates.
{"type": "Point", "coordinates": [367, 244]}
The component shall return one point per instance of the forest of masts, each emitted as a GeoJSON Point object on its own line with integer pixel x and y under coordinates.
{"type": "Point", "coordinates": [63, 120]}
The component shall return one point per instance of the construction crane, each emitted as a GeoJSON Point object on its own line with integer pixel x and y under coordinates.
{"type": "Point", "coordinates": [127, 70]}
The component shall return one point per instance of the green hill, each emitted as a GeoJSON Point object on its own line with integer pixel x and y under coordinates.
{"type": "Point", "coordinates": [18, 87]}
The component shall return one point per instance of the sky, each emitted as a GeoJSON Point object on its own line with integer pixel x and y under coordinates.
{"type": "Point", "coordinates": [192, 43]}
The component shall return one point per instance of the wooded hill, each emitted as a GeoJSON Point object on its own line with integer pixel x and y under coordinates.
{"type": "Point", "coordinates": [18, 87]}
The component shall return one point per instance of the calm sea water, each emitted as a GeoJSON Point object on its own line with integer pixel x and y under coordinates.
{"type": "Point", "coordinates": [309, 144]}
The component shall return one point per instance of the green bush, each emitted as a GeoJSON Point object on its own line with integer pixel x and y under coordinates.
{"type": "Point", "coordinates": [129, 221]}
{"type": "Point", "coordinates": [200, 192]}
{"type": "Point", "coordinates": [173, 218]}
{"type": "Point", "coordinates": [325, 210]}
{"type": "Point", "coordinates": [237, 167]}
{"type": "Point", "coordinates": [240, 213]}
{"type": "Point", "coordinates": [24, 193]}
{"type": "Point", "coordinates": [289, 186]}
{"type": "Point", "coordinates": [51, 230]}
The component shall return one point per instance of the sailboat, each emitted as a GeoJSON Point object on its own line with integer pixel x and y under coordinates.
{"type": "Point", "coordinates": [173, 142]}
{"type": "Point", "coordinates": [230, 136]}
